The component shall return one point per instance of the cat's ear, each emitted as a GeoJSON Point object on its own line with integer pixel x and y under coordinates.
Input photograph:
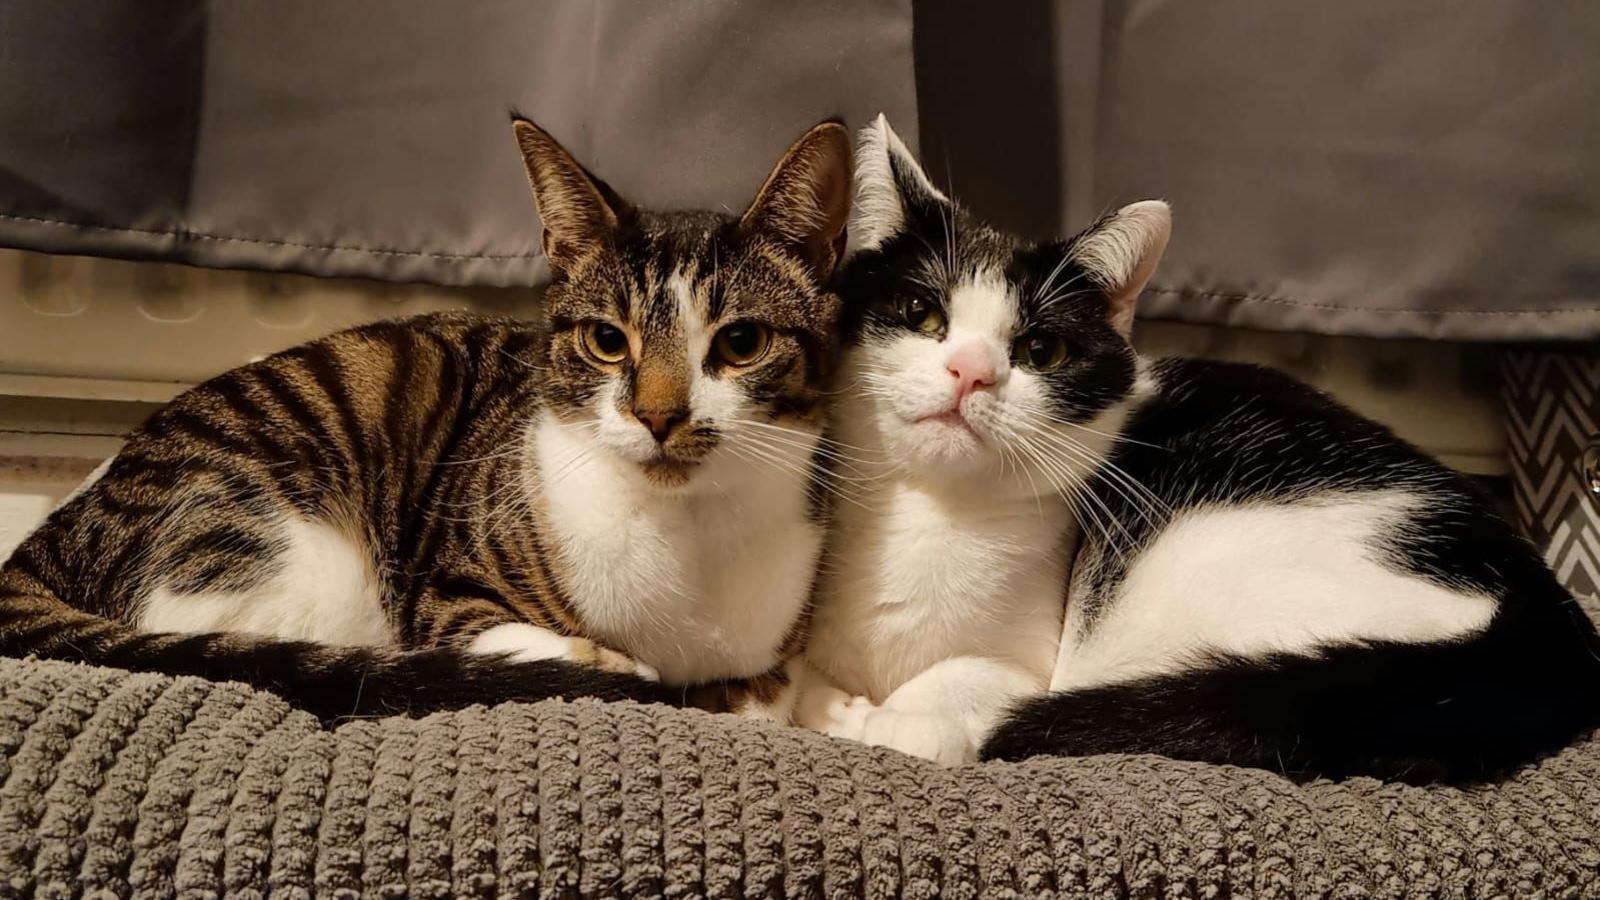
{"type": "Point", "coordinates": [579, 211]}
{"type": "Point", "coordinates": [1121, 252]}
{"type": "Point", "coordinates": [805, 201]}
{"type": "Point", "coordinates": [892, 190]}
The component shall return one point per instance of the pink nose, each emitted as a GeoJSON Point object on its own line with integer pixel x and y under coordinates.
{"type": "Point", "coordinates": [973, 368]}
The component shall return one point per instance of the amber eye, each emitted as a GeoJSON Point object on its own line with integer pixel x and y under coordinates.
{"type": "Point", "coordinates": [1042, 352]}
{"type": "Point", "coordinates": [605, 342]}
{"type": "Point", "coordinates": [922, 315]}
{"type": "Point", "coordinates": [742, 343]}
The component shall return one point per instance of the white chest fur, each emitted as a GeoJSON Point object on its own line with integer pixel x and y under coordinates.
{"type": "Point", "coordinates": [916, 578]}
{"type": "Point", "coordinates": [700, 583]}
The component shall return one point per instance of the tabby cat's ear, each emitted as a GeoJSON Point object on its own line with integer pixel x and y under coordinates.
{"type": "Point", "coordinates": [892, 191]}
{"type": "Point", "coordinates": [805, 202]}
{"type": "Point", "coordinates": [1121, 252]}
{"type": "Point", "coordinates": [579, 211]}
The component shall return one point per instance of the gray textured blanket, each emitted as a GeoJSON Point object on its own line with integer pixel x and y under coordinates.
{"type": "Point", "coordinates": [114, 784]}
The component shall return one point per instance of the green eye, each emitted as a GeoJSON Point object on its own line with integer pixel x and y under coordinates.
{"type": "Point", "coordinates": [742, 343]}
{"type": "Point", "coordinates": [604, 342]}
{"type": "Point", "coordinates": [1042, 352]}
{"type": "Point", "coordinates": [922, 315]}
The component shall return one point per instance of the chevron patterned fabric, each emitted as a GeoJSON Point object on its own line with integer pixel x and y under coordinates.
{"type": "Point", "coordinates": [1552, 432]}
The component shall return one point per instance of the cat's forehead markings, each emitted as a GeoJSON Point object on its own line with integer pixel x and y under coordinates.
{"type": "Point", "coordinates": [686, 295]}
{"type": "Point", "coordinates": [983, 304]}
{"type": "Point", "coordinates": [658, 310]}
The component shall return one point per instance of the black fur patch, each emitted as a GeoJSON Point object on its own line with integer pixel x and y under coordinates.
{"type": "Point", "coordinates": [1457, 711]}
{"type": "Point", "coordinates": [343, 683]}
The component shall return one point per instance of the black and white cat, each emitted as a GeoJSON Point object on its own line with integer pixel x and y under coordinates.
{"type": "Point", "coordinates": [1263, 578]}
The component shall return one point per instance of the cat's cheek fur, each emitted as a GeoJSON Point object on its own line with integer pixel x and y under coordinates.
{"type": "Point", "coordinates": [717, 401]}
{"type": "Point", "coordinates": [915, 380]}
{"type": "Point", "coordinates": [619, 433]}
{"type": "Point", "coordinates": [910, 376]}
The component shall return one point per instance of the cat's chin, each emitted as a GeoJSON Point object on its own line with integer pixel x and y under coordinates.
{"type": "Point", "coordinates": [668, 473]}
{"type": "Point", "coordinates": [944, 443]}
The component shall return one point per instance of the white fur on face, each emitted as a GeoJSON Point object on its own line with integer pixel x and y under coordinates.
{"type": "Point", "coordinates": [619, 432]}
{"type": "Point", "coordinates": [1003, 429]}
{"type": "Point", "coordinates": [714, 400]}
{"type": "Point", "coordinates": [700, 582]}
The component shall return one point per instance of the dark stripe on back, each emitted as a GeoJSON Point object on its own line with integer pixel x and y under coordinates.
{"type": "Point", "coordinates": [321, 447]}
{"type": "Point", "coordinates": [324, 369]}
{"type": "Point", "coordinates": [400, 399]}
{"type": "Point", "coordinates": [223, 539]}
{"type": "Point", "coordinates": [203, 430]}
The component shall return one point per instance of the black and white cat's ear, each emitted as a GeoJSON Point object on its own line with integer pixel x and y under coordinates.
{"type": "Point", "coordinates": [805, 202]}
{"type": "Point", "coordinates": [1121, 252]}
{"type": "Point", "coordinates": [892, 190]}
{"type": "Point", "coordinates": [579, 211]}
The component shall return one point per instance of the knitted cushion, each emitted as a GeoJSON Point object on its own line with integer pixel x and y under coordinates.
{"type": "Point", "coordinates": [123, 785]}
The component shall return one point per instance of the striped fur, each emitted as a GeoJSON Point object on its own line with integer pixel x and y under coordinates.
{"type": "Point", "coordinates": [342, 521]}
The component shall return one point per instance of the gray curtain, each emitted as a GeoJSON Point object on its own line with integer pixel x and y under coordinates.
{"type": "Point", "coordinates": [371, 138]}
{"type": "Point", "coordinates": [1427, 169]}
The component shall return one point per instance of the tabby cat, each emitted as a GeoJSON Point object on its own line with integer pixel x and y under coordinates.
{"type": "Point", "coordinates": [1263, 577]}
{"type": "Point", "coordinates": [444, 510]}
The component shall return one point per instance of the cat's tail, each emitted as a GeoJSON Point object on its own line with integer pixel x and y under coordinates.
{"type": "Point", "coordinates": [332, 682]}
{"type": "Point", "coordinates": [1456, 712]}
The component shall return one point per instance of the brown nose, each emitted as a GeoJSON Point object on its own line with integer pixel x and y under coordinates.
{"type": "Point", "coordinates": [660, 422]}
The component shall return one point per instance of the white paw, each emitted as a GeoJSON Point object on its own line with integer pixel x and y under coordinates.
{"type": "Point", "coordinates": [522, 642]}
{"type": "Point", "coordinates": [844, 715]}
{"type": "Point", "coordinates": [936, 738]}
{"type": "Point", "coordinates": [832, 711]}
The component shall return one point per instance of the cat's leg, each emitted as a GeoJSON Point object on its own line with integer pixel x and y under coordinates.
{"type": "Point", "coordinates": [770, 697]}
{"type": "Point", "coordinates": [522, 642]}
{"type": "Point", "coordinates": [943, 714]}
{"type": "Point", "coordinates": [482, 622]}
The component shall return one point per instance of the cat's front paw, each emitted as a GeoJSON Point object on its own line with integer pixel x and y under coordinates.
{"type": "Point", "coordinates": [841, 714]}
{"type": "Point", "coordinates": [591, 654]}
{"type": "Point", "coordinates": [521, 642]}
{"type": "Point", "coordinates": [834, 712]}
{"type": "Point", "coordinates": [938, 739]}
